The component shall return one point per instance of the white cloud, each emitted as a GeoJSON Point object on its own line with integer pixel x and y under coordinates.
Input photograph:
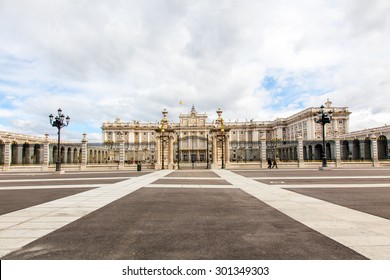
{"type": "Point", "coordinates": [98, 60]}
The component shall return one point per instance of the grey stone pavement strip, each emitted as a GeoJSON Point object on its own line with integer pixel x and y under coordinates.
{"type": "Point", "coordinates": [192, 178]}
{"type": "Point", "coordinates": [24, 226]}
{"type": "Point", "coordinates": [192, 186]}
{"type": "Point", "coordinates": [65, 179]}
{"type": "Point", "coordinates": [366, 234]}
{"type": "Point", "coordinates": [53, 187]}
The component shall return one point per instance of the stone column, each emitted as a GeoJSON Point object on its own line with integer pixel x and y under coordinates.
{"type": "Point", "coordinates": [84, 152]}
{"type": "Point", "coordinates": [121, 154]}
{"type": "Point", "coordinates": [46, 153]}
{"type": "Point", "coordinates": [338, 151]}
{"type": "Point", "coordinates": [170, 151]}
{"type": "Point", "coordinates": [214, 165]}
{"type": "Point", "coordinates": [263, 151]}
{"type": "Point", "coordinates": [374, 150]}
{"type": "Point", "coordinates": [301, 162]}
{"type": "Point", "coordinates": [7, 154]}
{"type": "Point", "coordinates": [158, 153]}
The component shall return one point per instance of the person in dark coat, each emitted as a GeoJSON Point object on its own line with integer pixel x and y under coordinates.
{"type": "Point", "coordinates": [274, 164]}
{"type": "Point", "coordinates": [269, 163]}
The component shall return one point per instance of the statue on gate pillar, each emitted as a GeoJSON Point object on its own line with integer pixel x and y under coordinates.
{"type": "Point", "coordinates": [164, 143]}
{"type": "Point", "coordinates": [221, 144]}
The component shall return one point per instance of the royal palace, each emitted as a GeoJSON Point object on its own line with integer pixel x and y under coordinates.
{"type": "Point", "coordinates": [202, 141]}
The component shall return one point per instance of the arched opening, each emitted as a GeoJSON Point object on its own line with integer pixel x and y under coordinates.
{"type": "Point", "coordinates": [304, 153]}
{"type": "Point", "coordinates": [15, 153]}
{"type": "Point", "coordinates": [69, 155]}
{"type": "Point", "coordinates": [75, 156]}
{"type": "Point", "coordinates": [26, 153]}
{"type": "Point", "coordinates": [55, 154]}
{"type": "Point", "coordinates": [356, 149]}
{"type": "Point", "coordinates": [310, 152]}
{"type": "Point", "coordinates": [37, 154]}
{"type": "Point", "coordinates": [367, 149]}
{"type": "Point", "coordinates": [2, 155]}
{"type": "Point", "coordinates": [63, 159]}
{"type": "Point", "coordinates": [328, 151]}
{"type": "Point", "coordinates": [345, 150]}
{"type": "Point", "coordinates": [382, 147]}
{"type": "Point", "coordinates": [318, 152]}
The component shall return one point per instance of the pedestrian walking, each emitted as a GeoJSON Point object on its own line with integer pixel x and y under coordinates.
{"type": "Point", "coordinates": [269, 163]}
{"type": "Point", "coordinates": [274, 164]}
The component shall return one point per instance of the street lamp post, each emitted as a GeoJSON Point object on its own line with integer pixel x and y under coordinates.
{"type": "Point", "coordinates": [207, 153]}
{"type": "Point", "coordinates": [223, 143]}
{"type": "Point", "coordinates": [193, 155]}
{"type": "Point", "coordinates": [59, 123]}
{"type": "Point", "coordinates": [162, 147]}
{"type": "Point", "coordinates": [323, 119]}
{"type": "Point", "coordinates": [223, 156]}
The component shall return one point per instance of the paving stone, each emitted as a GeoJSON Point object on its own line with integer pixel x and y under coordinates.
{"type": "Point", "coordinates": [357, 234]}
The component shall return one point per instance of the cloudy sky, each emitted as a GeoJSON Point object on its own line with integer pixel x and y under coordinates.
{"type": "Point", "coordinates": [259, 59]}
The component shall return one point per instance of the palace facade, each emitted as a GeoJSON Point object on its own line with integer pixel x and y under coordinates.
{"type": "Point", "coordinates": [192, 137]}
{"type": "Point", "coordinates": [197, 141]}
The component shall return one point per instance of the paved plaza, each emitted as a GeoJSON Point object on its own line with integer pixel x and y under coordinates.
{"type": "Point", "coordinates": [281, 214]}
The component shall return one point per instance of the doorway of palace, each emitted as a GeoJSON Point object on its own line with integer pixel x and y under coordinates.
{"type": "Point", "coordinates": [193, 152]}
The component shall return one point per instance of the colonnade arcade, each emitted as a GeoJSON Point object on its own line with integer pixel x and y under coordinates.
{"type": "Point", "coordinates": [23, 150]}
{"type": "Point", "coordinates": [180, 149]}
